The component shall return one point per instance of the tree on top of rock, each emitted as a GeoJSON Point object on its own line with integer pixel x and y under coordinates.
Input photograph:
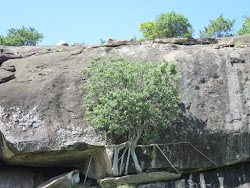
{"type": "Point", "coordinates": [167, 25]}
{"type": "Point", "coordinates": [218, 28]}
{"type": "Point", "coordinates": [21, 37]}
{"type": "Point", "coordinates": [245, 26]}
{"type": "Point", "coordinates": [129, 101]}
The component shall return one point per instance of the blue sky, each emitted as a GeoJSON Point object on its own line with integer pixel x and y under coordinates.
{"type": "Point", "coordinates": [89, 21]}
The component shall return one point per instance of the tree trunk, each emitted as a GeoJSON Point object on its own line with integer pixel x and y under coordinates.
{"type": "Point", "coordinates": [115, 162]}
{"type": "Point", "coordinates": [135, 159]}
{"type": "Point", "coordinates": [127, 163]}
{"type": "Point", "coordinates": [115, 169]}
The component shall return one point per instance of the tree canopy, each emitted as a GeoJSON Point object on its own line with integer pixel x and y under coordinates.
{"type": "Point", "coordinates": [21, 37]}
{"type": "Point", "coordinates": [245, 27]}
{"type": "Point", "coordinates": [134, 99]}
{"type": "Point", "coordinates": [167, 25]}
{"type": "Point", "coordinates": [218, 28]}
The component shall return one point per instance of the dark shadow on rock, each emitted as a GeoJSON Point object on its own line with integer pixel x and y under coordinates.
{"type": "Point", "coordinates": [190, 146]}
{"type": "Point", "coordinates": [230, 176]}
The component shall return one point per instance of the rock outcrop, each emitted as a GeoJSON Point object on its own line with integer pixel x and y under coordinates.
{"type": "Point", "coordinates": [42, 119]}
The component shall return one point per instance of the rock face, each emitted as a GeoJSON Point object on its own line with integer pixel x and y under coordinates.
{"type": "Point", "coordinates": [42, 119]}
{"type": "Point", "coordinates": [232, 176]}
{"type": "Point", "coordinates": [5, 76]}
{"type": "Point", "coordinates": [15, 177]}
{"type": "Point", "coordinates": [62, 43]}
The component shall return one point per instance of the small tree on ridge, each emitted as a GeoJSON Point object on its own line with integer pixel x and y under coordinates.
{"type": "Point", "coordinates": [21, 37]}
{"type": "Point", "coordinates": [245, 26]}
{"type": "Point", "coordinates": [218, 28]}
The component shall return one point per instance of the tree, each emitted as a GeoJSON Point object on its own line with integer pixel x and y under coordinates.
{"type": "Point", "coordinates": [132, 100]}
{"type": "Point", "coordinates": [245, 27]}
{"type": "Point", "coordinates": [150, 30]}
{"type": "Point", "coordinates": [21, 37]}
{"type": "Point", "coordinates": [218, 28]}
{"type": "Point", "coordinates": [167, 25]}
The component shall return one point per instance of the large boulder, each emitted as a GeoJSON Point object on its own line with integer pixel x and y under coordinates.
{"type": "Point", "coordinates": [42, 119]}
{"type": "Point", "coordinates": [12, 177]}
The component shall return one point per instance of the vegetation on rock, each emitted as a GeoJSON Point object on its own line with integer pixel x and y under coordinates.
{"type": "Point", "coordinates": [245, 27]}
{"type": "Point", "coordinates": [130, 100]}
{"type": "Point", "coordinates": [21, 37]}
{"type": "Point", "coordinates": [218, 28]}
{"type": "Point", "coordinates": [167, 25]}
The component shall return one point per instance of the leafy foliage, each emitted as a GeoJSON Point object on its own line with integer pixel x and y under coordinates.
{"type": "Point", "coordinates": [167, 25]}
{"type": "Point", "coordinates": [218, 28]}
{"type": "Point", "coordinates": [150, 30]}
{"type": "Point", "coordinates": [245, 27]}
{"type": "Point", "coordinates": [21, 37]}
{"type": "Point", "coordinates": [132, 99]}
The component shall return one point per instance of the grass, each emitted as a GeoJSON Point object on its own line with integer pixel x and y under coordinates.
{"type": "Point", "coordinates": [58, 49]}
{"type": "Point", "coordinates": [75, 51]}
{"type": "Point", "coordinates": [239, 42]}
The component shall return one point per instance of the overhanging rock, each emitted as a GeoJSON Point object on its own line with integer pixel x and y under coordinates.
{"type": "Point", "coordinates": [41, 114]}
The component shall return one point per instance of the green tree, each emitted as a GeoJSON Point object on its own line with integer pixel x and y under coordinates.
{"type": "Point", "coordinates": [167, 25]}
{"type": "Point", "coordinates": [21, 37]}
{"type": "Point", "coordinates": [218, 28]}
{"type": "Point", "coordinates": [150, 30]}
{"type": "Point", "coordinates": [1, 40]}
{"type": "Point", "coordinates": [245, 27]}
{"type": "Point", "coordinates": [134, 100]}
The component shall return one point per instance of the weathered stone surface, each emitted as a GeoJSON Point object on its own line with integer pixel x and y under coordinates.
{"type": "Point", "coordinates": [36, 122]}
{"type": "Point", "coordinates": [137, 179]}
{"type": "Point", "coordinates": [232, 176]}
{"type": "Point", "coordinates": [243, 45]}
{"type": "Point", "coordinates": [242, 38]}
{"type": "Point", "coordinates": [42, 119]}
{"type": "Point", "coordinates": [5, 76]}
{"type": "Point", "coordinates": [186, 41]}
{"type": "Point", "coordinates": [62, 43]}
{"type": "Point", "coordinates": [121, 42]}
{"type": "Point", "coordinates": [62, 181]}
{"type": "Point", "coordinates": [172, 40]}
{"type": "Point", "coordinates": [216, 46]}
{"type": "Point", "coordinates": [77, 44]}
{"type": "Point", "coordinates": [229, 44]}
{"type": "Point", "coordinates": [15, 177]}
{"type": "Point", "coordinates": [111, 40]}
{"type": "Point", "coordinates": [12, 52]}
{"type": "Point", "coordinates": [9, 68]}
{"type": "Point", "coordinates": [100, 165]}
